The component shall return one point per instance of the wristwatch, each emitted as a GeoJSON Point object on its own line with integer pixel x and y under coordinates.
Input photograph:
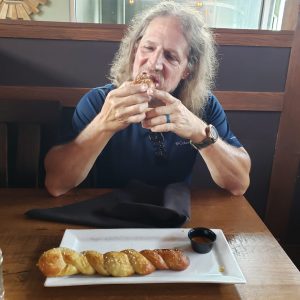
{"type": "Point", "coordinates": [212, 136]}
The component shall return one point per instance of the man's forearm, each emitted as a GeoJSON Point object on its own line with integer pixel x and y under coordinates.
{"type": "Point", "coordinates": [229, 166]}
{"type": "Point", "coordinates": [68, 165]}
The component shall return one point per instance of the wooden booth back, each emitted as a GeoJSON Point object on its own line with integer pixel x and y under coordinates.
{"type": "Point", "coordinates": [45, 61]}
{"type": "Point", "coordinates": [27, 130]}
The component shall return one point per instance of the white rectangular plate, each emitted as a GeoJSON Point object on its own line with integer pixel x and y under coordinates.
{"type": "Point", "coordinates": [217, 266]}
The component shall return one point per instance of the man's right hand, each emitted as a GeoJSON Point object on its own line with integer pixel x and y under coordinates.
{"type": "Point", "coordinates": [123, 106]}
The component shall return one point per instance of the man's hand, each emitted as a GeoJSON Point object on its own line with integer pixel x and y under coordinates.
{"type": "Point", "coordinates": [123, 106]}
{"type": "Point", "coordinates": [181, 121]}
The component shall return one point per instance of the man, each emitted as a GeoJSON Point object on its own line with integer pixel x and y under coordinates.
{"type": "Point", "coordinates": [117, 131]}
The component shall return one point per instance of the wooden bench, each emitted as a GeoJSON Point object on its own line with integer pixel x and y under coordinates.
{"type": "Point", "coordinates": [22, 148]}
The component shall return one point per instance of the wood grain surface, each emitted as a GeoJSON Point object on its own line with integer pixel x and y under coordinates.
{"type": "Point", "coordinates": [69, 97]}
{"type": "Point", "coordinates": [269, 272]}
{"type": "Point", "coordinates": [115, 32]}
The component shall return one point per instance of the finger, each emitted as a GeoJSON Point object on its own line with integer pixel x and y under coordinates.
{"type": "Point", "coordinates": [128, 95]}
{"type": "Point", "coordinates": [163, 127]}
{"type": "Point", "coordinates": [136, 118]}
{"type": "Point", "coordinates": [128, 88]}
{"type": "Point", "coordinates": [125, 83]}
{"type": "Point", "coordinates": [117, 101]}
{"type": "Point", "coordinates": [149, 123]}
{"type": "Point", "coordinates": [161, 110]}
{"type": "Point", "coordinates": [127, 112]}
{"type": "Point", "coordinates": [164, 96]}
{"type": "Point", "coordinates": [131, 100]}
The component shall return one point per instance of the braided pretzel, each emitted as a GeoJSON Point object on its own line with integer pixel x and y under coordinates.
{"type": "Point", "coordinates": [65, 261]}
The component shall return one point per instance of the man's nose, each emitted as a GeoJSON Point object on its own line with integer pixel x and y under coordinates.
{"type": "Point", "coordinates": [156, 61]}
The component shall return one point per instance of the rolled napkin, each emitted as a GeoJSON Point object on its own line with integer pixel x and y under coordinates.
{"type": "Point", "coordinates": [137, 206]}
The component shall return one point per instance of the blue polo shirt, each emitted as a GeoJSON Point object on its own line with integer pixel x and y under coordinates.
{"type": "Point", "coordinates": [130, 154]}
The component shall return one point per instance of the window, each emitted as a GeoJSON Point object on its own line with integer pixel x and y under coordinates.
{"type": "Point", "coordinates": [245, 14]}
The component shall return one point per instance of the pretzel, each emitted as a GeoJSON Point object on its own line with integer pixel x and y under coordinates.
{"type": "Point", "coordinates": [150, 81]}
{"type": "Point", "coordinates": [144, 78]}
{"type": "Point", "coordinates": [64, 261]}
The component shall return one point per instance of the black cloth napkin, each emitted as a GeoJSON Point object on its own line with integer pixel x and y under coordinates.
{"type": "Point", "coordinates": [136, 206]}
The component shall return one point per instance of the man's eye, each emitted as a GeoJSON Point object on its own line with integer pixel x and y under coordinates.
{"type": "Point", "coordinates": [149, 48]}
{"type": "Point", "coordinates": [171, 58]}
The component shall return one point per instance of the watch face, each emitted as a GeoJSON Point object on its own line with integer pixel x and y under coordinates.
{"type": "Point", "coordinates": [213, 133]}
{"type": "Point", "coordinates": [211, 137]}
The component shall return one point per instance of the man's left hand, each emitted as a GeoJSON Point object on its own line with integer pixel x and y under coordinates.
{"type": "Point", "coordinates": [180, 120]}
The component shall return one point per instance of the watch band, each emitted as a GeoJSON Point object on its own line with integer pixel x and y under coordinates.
{"type": "Point", "coordinates": [211, 137]}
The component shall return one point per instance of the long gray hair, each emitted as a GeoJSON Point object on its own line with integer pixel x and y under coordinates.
{"type": "Point", "coordinates": [202, 63]}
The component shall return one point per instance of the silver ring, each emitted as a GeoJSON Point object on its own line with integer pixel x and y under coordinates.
{"type": "Point", "coordinates": [168, 119]}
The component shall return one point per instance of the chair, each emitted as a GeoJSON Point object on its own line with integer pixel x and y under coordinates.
{"type": "Point", "coordinates": [27, 130]}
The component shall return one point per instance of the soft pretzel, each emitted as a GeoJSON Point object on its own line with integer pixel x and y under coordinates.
{"type": "Point", "coordinates": [144, 78]}
{"type": "Point", "coordinates": [64, 261]}
{"type": "Point", "coordinates": [151, 83]}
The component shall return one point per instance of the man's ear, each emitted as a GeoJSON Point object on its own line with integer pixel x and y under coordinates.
{"type": "Point", "coordinates": [186, 73]}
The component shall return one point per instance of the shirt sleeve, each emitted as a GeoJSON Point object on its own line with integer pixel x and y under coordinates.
{"type": "Point", "coordinates": [86, 110]}
{"type": "Point", "coordinates": [88, 107]}
{"type": "Point", "coordinates": [214, 114]}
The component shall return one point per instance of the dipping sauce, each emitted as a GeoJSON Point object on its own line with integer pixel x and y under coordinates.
{"type": "Point", "coordinates": [201, 239]}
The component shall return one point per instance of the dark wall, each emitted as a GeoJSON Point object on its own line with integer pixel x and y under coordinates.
{"type": "Point", "coordinates": [86, 64]}
{"type": "Point", "coordinates": [33, 62]}
{"type": "Point", "coordinates": [260, 69]}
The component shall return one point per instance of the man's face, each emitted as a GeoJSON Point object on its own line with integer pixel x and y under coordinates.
{"type": "Point", "coordinates": [162, 53]}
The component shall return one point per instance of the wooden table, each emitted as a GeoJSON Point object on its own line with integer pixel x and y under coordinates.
{"type": "Point", "coordinates": [269, 272]}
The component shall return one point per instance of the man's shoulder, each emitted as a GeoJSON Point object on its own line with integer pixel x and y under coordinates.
{"type": "Point", "coordinates": [212, 105]}
{"type": "Point", "coordinates": [212, 100]}
{"type": "Point", "coordinates": [95, 97]}
{"type": "Point", "coordinates": [101, 91]}
{"type": "Point", "coordinates": [91, 103]}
